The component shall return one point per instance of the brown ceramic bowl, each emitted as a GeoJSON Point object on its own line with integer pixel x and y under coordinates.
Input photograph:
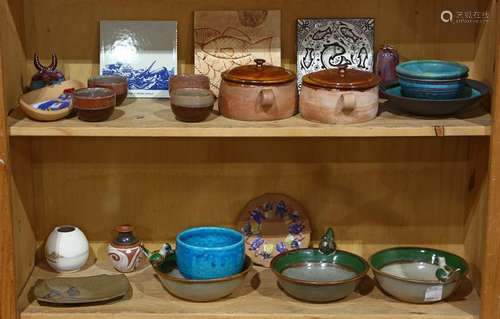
{"type": "Point", "coordinates": [192, 104]}
{"type": "Point", "coordinates": [183, 81]}
{"type": "Point", "coordinates": [117, 83]}
{"type": "Point", "coordinates": [94, 104]}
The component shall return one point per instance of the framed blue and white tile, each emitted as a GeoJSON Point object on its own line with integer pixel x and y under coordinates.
{"type": "Point", "coordinates": [143, 51]}
{"type": "Point", "coordinates": [327, 43]}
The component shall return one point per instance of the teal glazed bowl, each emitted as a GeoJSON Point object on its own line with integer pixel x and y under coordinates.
{"type": "Point", "coordinates": [312, 276]}
{"type": "Point", "coordinates": [210, 252]}
{"type": "Point", "coordinates": [432, 79]}
{"type": "Point", "coordinates": [418, 275]}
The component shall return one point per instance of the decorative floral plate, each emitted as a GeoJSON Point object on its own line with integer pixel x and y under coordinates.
{"type": "Point", "coordinates": [271, 224]}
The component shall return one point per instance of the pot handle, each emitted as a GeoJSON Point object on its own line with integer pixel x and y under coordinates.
{"type": "Point", "coordinates": [349, 101]}
{"type": "Point", "coordinates": [267, 98]}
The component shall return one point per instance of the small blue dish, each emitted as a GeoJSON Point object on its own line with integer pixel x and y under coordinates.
{"type": "Point", "coordinates": [432, 79]}
{"type": "Point", "coordinates": [432, 70]}
{"type": "Point", "coordinates": [210, 252]}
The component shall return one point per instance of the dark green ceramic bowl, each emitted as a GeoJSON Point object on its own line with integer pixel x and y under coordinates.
{"type": "Point", "coordinates": [309, 275]}
{"type": "Point", "coordinates": [411, 273]}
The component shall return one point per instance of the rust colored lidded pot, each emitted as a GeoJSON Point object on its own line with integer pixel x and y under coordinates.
{"type": "Point", "coordinates": [339, 96]}
{"type": "Point", "coordinates": [258, 93]}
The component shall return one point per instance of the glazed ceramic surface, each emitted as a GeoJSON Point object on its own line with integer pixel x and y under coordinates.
{"type": "Point", "coordinates": [386, 63]}
{"type": "Point", "coordinates": [32, 103]}
{"type": "Point", "coordinates": [46, 75]}
{"type": "Point", "coordinates": [189, 81]}
{"type": "Point", "coordinates": [145, 52]}
{"type": "Point", "coordinates": [339, 96]}
{"type": "Point", "coordinates": [125, 251]}
{"type": "Point", "coordinates": [66, 249]}
{"type": "Point", "coordinates": [117, 83]}
{"type": "Point", "coordinates": [411, 273]}
{"type": "Point", "coordinates": [199, 290]}
{"type": "Point", "coordinates": [271, 224]}
{"type": "Point", "coordinates": [310, 275]}
{"type": "Point", "coordinates": [94, 104]}
{"type": "Point", "coordinates": [469, 95]}
{"type": "Point", "coordinates": [432, 79]}
{"type": "Point", "coordinates": [209, 252]}
{"type": "Point", "coordinates": [79, 290]}
{"type": "Point", "coordinates": [327, 43]}
{"type": "Point", "coordinates": [225, 39]}
{"type": "Point", "coordinates": [258, 93]}
{"type": "Point", "coordinates": [192, 104]}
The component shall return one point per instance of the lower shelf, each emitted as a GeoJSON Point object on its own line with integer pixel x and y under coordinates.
{"type": "Point", "coordinates": [259, 297]}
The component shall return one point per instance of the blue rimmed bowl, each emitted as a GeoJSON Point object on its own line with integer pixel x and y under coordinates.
{"type": "Point", "coordinates": [432, 79]}
{"type": "Point", "coordinates": [210, 252]}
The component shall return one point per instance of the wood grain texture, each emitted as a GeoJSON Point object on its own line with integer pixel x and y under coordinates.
{"type": "Point", "coordinates": [12, 51]}
{"type": "Point", "coordinates": [374, 192]}
{"type": "Point", "coordinates": [419, 32]}
{"type": "Point", "coordinates": [259, 297]}
{"type": "Point", "coordinates": [7, 274]}
{"type": "Point", "coordinates": [490, 290]}
{"type": "Point", "coordinates": [23, 211]}
{"type": "Point", "coordinates": [154, 118]}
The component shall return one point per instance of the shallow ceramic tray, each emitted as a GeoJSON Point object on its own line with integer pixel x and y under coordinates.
{"type": "Point", "coordinates": [79, 290]}
{"type": "Point", "coordinates": [313, 276]}
{"type": "Point", "coordinates": [45, 94]}
{"type": "Point", "coordinates": [473, 91]}
{"type": "Point", "coordinates": [410, 273]}
{"type": "Point", "coordinates": [199, 290]}
{"type": "Point", "coordinates": [273, 223]}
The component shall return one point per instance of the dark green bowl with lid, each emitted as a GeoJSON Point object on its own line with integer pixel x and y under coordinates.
{"type": "Point", "coordinates": [322, 274]}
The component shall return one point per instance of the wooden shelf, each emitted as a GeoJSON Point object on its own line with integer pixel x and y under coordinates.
{"type": "Point", "coordinates": [153, 118]}
{"type": "Point", "coordinates": [259, 297]}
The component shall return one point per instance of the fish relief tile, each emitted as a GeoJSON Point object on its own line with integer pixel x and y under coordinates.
{"type": "Point", "coordinates": [327, 43]}
{"type": "Point", "coordinates": [227, 39]}
{"type": "Point", "coordinates": [143, 51]}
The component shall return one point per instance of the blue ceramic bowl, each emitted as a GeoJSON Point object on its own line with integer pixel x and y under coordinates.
{"type": "Point", "coordinates": [432, 79]}
{"type": "Point", "coordinates": [210, 252]}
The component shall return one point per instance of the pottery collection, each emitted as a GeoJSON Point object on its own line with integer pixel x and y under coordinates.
{"type": "Point", "coordinates": [66, 249]}
{"type": "Point", "coordinates": [125, 250]}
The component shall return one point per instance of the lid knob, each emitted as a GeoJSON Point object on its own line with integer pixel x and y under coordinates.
{"type": "Point", "coordinates": [259, 62]}
{"type": "Point", "coordinates": [342, 68]}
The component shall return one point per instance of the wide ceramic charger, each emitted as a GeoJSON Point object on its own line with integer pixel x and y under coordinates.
{"type": "Point", "coordinates": [271, 224]}
{"type": "Point", "coordinates": [469, 95]}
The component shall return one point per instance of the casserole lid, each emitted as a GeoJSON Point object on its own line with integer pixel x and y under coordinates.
{"type": "Point", "coordinates": [342, 78]}
{"type": "Point", "coordinates": [259, 74]}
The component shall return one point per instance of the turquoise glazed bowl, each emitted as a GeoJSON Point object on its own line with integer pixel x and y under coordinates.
{"type": "Point", "coordinates": [432, 79]}
{"type": "Point", "coordinates": [209, 252]}
{"type": "Point", "coordinates": [413, 274]}
{"type": "Point", "coordinates": [312, 276]}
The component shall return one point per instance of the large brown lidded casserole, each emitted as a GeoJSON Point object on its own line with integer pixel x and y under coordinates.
{"type": "Point", "coordinates": [258, 93]}
{"type": "Point", "coordinates": [339, 96]}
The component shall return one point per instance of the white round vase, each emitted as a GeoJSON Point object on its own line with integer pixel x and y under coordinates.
{"type": "Point", "coordinates": [67, 249]}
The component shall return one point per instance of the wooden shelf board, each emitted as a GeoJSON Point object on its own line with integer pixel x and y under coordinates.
{"type": "Point", "coordinates": [153, 118]}
{"type": "Point", "coordinates": [259, 297]}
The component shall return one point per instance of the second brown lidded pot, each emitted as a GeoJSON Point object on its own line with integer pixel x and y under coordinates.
{"type": "Point", "coordinates": [339, 96]}
{"type": "Point", "coordinates": [258, 93]}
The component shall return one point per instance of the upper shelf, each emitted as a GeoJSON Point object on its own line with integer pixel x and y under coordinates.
{"type": "Point", "coordinates": [153, 118]}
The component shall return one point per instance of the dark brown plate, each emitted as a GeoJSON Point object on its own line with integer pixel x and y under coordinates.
{"type": "Point", "coordinates": [79, 290]}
